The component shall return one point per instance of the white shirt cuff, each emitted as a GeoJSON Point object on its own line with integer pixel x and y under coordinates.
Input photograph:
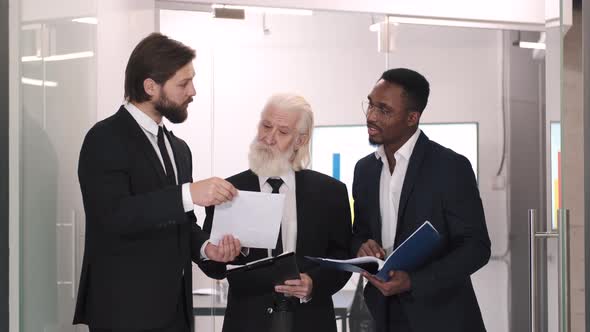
{"type": "Point", "coordinates": [203, 255]}
{"type": "Point", "coordinates": [187, 198]}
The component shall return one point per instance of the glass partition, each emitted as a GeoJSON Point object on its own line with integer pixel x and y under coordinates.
{"type": "Point", "coordinates": [58, 103]}
{"type": "Point", "coordinates": [333, 59]}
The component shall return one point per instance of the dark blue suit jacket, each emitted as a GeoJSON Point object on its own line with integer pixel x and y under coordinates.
{"type": "Point", "coordinates": [440, 187]}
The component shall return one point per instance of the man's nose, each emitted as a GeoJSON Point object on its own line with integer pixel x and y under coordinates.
{"type": "Point", "coordinates": [192, 91]}
{"type": "Point", "coordinates": [269, 138]}
{"type": "Point", "coordinates": [372, 115]}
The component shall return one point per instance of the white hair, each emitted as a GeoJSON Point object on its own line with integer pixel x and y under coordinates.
{"type": "Point", "coordinates": [294, 103]}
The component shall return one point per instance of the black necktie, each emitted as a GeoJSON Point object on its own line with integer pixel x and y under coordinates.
{"type": "Point", "coordinates": [276, 184]}
{"type": "Point", "coordinates": [170, 176]}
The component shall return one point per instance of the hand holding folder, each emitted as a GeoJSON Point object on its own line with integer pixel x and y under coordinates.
{"type": "Point", "coordinates": [408, 256]}
{"type": "Point", "coordinates": [260, 277]}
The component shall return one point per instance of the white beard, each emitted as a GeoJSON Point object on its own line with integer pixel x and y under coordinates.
{"type": "Point", "coordinates": [265, 162]}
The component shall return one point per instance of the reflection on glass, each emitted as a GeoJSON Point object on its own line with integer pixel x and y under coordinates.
{"type": "Point", "coordinates": [57, 65]}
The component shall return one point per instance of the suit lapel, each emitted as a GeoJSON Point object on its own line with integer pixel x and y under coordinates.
{"type": "Point", "coordinates": [411, 175]}
{"type": "Point", "coordinates": [249, 182]}
{"type": "Point", "coordinates": [373, 198]}
{"type": "Point", "coordinates": [139, 138]}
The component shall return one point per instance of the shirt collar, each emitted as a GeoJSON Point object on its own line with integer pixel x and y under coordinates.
{"type": "Point", "coordinates": [405, 151]}
{"type": "Point", "coordinates": [288, 179]}
{"type": "Point", "coordinates": [143, 119]}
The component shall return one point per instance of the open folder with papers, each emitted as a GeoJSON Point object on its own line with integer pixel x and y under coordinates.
{"type": "Point", "coordinates": [259, 277]}
{"type": "Point", "coordinates": [408, 256]}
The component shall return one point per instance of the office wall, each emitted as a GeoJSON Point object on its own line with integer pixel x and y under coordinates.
{"type": "Point", "coordinates": [35, 10]}
{"type": "Point", "coordinates": [332, 59]}
{"type": "Point", "coordinates": [122, 24]}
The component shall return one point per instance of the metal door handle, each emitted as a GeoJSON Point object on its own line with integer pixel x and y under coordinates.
{"type": "Point", "coordinates": [562, 234]}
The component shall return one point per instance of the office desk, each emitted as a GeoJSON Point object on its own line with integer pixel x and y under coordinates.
{"type": "Point", "coordinates": [212, 305]}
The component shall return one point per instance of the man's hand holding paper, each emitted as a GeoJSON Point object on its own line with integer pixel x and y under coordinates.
{"type": "Point", "coordinates": [225, 251]}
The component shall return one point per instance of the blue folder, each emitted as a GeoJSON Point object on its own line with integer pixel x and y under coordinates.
{"type": "Point", "coordinates": [408, 256]}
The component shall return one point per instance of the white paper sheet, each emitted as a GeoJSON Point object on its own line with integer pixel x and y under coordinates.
{"type": "Point", "coordinates": [253, 217]}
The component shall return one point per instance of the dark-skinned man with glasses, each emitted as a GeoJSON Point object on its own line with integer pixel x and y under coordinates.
{"type": "Point", "coordinates": [407, 181]}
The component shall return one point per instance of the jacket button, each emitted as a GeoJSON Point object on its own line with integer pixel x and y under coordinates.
{"type": "Point", "coordinates": [269, 311]}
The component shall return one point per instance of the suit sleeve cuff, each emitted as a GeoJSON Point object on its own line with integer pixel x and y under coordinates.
{"type": "Point", "coordinates": [305, 300]}
{"type": "Point", "coordinates": [245, 251]}
{"type": "Point", "coordinates": [187, 198]}
{"type": "Point", "coordinates": [203, 254]}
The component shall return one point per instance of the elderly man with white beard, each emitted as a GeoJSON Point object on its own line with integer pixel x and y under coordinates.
{"type": "Point", "coordinates": [316, 222]}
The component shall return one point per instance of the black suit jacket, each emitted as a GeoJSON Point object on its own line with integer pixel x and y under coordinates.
{"type": "Point", "coordinates": [323, 229]}
{"type": "Point", "coordinates": [139, 241]}
{"type": "Point", "coordinates": [439, 187]}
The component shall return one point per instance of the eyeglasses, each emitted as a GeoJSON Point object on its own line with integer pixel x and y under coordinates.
{"type": "Point", "coordinates": [381, 111]}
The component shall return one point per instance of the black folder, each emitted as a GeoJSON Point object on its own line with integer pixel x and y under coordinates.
{"type": "Point", "coordinates": [261, 276]}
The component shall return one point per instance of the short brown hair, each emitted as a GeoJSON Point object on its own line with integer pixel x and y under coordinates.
{"type": "Point", "coordinates": [157, 57]}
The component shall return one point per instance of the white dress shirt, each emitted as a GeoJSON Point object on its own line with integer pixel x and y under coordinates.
{"type": "Point", "coordinates": [289, 221]}
{"type": "Point", "coordinates": [390, 189]}
{"type": "Point", "coordinates": [150, 129]}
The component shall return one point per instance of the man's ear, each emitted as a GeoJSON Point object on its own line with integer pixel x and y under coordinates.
{"type": "Point", "coordinates": [151, 87]}
{"type": "Point", "coordinates": [301, 140]}
{"type": "Point", "coordinates": [413, 118]}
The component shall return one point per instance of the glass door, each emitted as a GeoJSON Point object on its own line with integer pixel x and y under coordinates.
{"type": "Point", "coordinates": [58, 106]}
{"type": "Point", "coordinates": [549, 223]}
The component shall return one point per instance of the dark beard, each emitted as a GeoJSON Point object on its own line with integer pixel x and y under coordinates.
{"type": "Point", "coordinates": [373, 143]}
{"type": "Point", "coordinates": [173, 112]}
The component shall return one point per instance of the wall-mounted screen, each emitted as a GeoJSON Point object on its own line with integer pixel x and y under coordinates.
{"type": "Point", "coordinates": [336, 149]}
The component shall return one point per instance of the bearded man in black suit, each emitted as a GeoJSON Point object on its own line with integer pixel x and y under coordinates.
{"type": "Point", "coordinates": [138, 193]}
{"type": "Point", "coordinates": [316, 222]}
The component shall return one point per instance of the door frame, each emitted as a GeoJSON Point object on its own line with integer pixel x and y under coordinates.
{"type": "Point", "coordinates": [586, 107]}
{"type": "Point", "coordinates": [4, 191]}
